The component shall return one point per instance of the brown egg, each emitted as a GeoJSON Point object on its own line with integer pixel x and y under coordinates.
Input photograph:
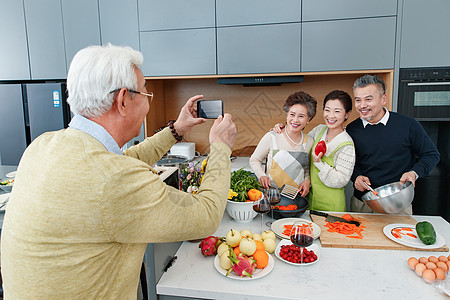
{"type": "Point", "coordinates": [429, 276]}
{"type": "Point", "coordinates": [419, 268]}
{"type": "Point", "coordinates": [440, 274]}
{"type": "Point", "coordinates": [442, 265]}
{"type": "Point", "coordinates": [430, 265]}
{"type": "Point", "coordinates": [433, 259]}
{"type": "Point", "coordinates": [443, 258]}
{"type": "Point", "coordinates": [448, 264]}
{"type": "Point", "coordinates": [412, 262]}
{"type": "Point", "coordinates": [423, 260]}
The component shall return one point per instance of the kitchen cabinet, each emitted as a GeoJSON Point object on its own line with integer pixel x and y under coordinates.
{"type": "Point", "coordinates": [314, 10]}
{"type": "Point", "coordinates": [81, 26]}
{"type": "Point", "coordinates": [175, 14]}
{"type": "Point", "coordinates": [248, 12]}
{"type": "Point", "coordinates": [125, 32]}
{"type": "Point", "coordinates": [14, 63]}
{"type": "Point", "coordinates": [259, 49]}
{"type": "Point", "coordinates": [45, 39]}
{"type": "Point", "coordinates": [179, 52]}
{"type": "Point", "coordinates": [355, 44]}
{"type": "Point", "coordinates": [425, 40]}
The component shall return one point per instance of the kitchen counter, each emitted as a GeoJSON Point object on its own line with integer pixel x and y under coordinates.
{"type": "Point", "coordinates": [339, 274]}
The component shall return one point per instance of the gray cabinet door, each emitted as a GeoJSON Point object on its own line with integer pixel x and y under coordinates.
{"type": "Point", "coordinates": [81, 26]}
{"type": "Point", "coordinates": [348, 44]}
{"type": "Point", "coordinates": [14, 62]}
{"type": "Point", "coordinates": [425, 38]}
{"type": "Point", "coordinates": [345, 9]}
{"type": "Point", "coordinates": [179, 52]}
{"type": "Point", "coordinates": [124, 33]}
{"type": "Point", "coordinates": [259, 49]}
{"type": "Point", "coordinates": [248, 12]}
{"type": "Point", "coordinates": [45, 39]}
{"type": "Point", "coordinates": [176, 14]}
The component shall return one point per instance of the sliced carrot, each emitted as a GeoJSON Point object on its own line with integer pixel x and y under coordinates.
{"type": "Point", "coordinates": [345, 228]}
{"type": "Point", "coordinates": [354, 236]}
{"type": "Point", "coordinates": [411, 235]}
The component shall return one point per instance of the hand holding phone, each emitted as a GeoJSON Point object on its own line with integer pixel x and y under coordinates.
{"type": "Point", "coordinates": [209, 109]}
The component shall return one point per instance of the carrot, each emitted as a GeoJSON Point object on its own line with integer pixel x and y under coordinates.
{"type": "Point", "coordinates": [354, 236]}
{"type": "Point", "coordinates": [345, 228]}
{"type": "Point", "coordinates": [347, 217]}
{"type": "Point", "coordinates": [411, 235]}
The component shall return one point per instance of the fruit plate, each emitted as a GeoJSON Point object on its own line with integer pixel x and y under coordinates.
{"type": "Point", "coordinates": [313, 247]}
{"type": "Point", "coordinates": [278, 227]}
{"type": "Point", "coordinates": [258, 273]}
{"type": "Point", "coordinates": [403, 238]}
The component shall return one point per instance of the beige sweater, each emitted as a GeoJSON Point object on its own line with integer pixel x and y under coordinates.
{"type": "Point", "coordinates": [80, 217]}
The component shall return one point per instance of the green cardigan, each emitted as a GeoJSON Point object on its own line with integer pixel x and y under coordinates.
{"type": "Point", "coordinates": [80, 217]}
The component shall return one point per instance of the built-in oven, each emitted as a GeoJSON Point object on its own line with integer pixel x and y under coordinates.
{"type": "Point", "coordinates": [424, 93]}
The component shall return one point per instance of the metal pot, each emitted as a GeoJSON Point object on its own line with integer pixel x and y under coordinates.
{"type": "Point", "coordinates": [392, 198]}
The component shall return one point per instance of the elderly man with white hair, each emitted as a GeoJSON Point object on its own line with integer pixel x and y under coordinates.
{"type": "Point", "coordinates": [82, 212]}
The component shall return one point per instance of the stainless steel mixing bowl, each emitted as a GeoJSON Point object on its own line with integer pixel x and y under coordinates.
{"type": "Point", "coordinates": [392, 198]}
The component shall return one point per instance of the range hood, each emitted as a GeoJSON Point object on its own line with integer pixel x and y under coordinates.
{"type": "Point", "coordinates": [261, 81]}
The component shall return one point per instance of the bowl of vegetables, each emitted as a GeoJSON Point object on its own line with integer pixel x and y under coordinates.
{"type": "Point", "coordinates": [244, 192]}
{"type": "Point", "coordinates": [290, 208]}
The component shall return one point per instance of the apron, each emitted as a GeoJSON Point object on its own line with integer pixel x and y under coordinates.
{"type": "Point", "coordinates": [322, 197]}
{"type": "Point", "coordinates": [288, 167]}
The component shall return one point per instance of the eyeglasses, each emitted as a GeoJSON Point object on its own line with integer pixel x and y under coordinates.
{"type": "Point", "coordinates": [150, 95]}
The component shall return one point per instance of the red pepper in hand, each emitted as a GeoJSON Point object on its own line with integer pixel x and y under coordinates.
{"type": "Point", "coordinates": [320, 147]}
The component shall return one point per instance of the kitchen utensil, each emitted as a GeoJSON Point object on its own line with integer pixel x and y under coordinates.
{"type": "Point", "coordinates": [241, 211]}
{"type": "Point", "coordinates": [289, 191]}
{"type": "Point", "coordinates": [371, 189]}
{"type": "Point", "coordinates": [333, 219]}
{"type": "Point", "coordinates": [373, 236]}
{"type": "Point", "coordinates": [302, 205]}
{"type": "Point", "coordinates": [392, 198]}
{"type": "Point", "coordinates": [183, 149]}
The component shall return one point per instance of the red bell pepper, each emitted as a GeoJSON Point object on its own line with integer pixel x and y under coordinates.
{"type": "Point", "coordinates": [320, 147]}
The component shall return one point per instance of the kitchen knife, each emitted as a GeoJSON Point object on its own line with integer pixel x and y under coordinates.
{"type": "Point", "coordinates": [333, 219]}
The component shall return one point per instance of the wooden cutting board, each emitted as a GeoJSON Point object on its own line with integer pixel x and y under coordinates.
{"type": "Point", "coordinates": [374, 237]}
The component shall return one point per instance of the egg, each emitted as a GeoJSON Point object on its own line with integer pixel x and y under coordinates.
{"type": "Point", "coordinates": [423, 260]}
{"type": "Point", "coordinates": [443, 258]}
{"type": "Point", "coordinates": [442, 265]}
{"type": "Point", "coordinates": [433, 259]}
{"type": "Point", "coordinates": [412, 262]}
{"type": "Point", "coordinates": [430, 265]}
{"type": "Point", "coordinates": [440, 274]}
{"type": "Point", "coordinates": [429, 276]}
{"type": "Point", "coordinates": [448, 264]}
{"type": "Point", "coordinates": [419, 268]}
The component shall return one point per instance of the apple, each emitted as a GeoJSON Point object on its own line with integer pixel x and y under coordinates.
{"type": "Point", "coordinates": [247, 246]}
{"type": "Point", "coordinates": [233, 237]}
{"type": "Point", "coordinates": [268, 234]}
{"type": "Point", "coordinates": [246, 233]}
{"type": "Point", "coordinates": [269, 245]}
{"type": "Point", "coordinates": [257, 237]}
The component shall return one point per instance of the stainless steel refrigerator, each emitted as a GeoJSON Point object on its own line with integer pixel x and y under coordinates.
{"type": "Point", "coordinates": [26, 111]}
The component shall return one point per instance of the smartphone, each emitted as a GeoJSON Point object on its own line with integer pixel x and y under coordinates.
{"type": "Point", "coordinates": [209, 109]}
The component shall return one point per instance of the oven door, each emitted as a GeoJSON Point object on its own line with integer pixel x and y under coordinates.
{"type": "Point", "coordinates": [425, 100]}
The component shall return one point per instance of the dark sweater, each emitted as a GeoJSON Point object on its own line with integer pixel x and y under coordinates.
{"type": "Point", "coordinates": [384, 153]}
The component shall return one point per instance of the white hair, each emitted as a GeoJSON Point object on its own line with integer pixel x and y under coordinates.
{"type": "Point", "coordinates": [95, 72]}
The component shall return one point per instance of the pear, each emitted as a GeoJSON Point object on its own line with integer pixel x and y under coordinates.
{"type": "Point", "coordinates": [269, 245]}
{"type": "Point", "coordinates": [225, 262]}
{"type": "Point", "coordinates": [246, 233]}
{"type": "Point", "coordinates": [222, 248]}
{"type": "Point", "coordinates": [268, 234]}
{"type": "Point", "coordinates": [257, 237]}
{"type": "Point", "coordinates": [247, 246]}
{"type": "Point", "coordinates": [233, 237]}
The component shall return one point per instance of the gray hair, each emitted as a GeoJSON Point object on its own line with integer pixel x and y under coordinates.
{"type": "Point", "coordinates": [367, 79]}
{"type": "Point", "coordinates": [95, 72]}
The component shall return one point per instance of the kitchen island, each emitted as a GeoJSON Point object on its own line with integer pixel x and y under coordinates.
{"type": "Point", "coordinates": [340, 273]}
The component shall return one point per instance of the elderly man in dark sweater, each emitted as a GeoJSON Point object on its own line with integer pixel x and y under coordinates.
{"type": "Point", "coordinates": [389, 146]}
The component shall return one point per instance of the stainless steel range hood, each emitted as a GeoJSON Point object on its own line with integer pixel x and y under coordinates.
{"type": "Point", "coordinates": [261, 81]}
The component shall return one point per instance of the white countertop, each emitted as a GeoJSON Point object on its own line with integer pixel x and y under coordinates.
{"type": "Point", "coordinates": [339, 274]}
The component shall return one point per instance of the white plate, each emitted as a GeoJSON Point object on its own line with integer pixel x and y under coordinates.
{"type": "Point", "coordinates": [313, 247]}
{"type": "Point", "coordinates": [410, 241]}
{"type": "Point", "coordinates": [11, 174]}
{"type": "Point", "coordinates": [258, 273]}
{"type": "Point", "coordinates": [278, 227]}
{"type": "Point", "coordinates": [3, 198]}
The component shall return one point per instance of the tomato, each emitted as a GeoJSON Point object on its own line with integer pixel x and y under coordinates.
{"type": "Point", "coordinates": [320, 147]}
{"type": "Point", "coordinates": [291, 253]}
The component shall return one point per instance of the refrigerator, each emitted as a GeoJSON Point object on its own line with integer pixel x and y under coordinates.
{"type": "Point", "coordinates": [26, 111]}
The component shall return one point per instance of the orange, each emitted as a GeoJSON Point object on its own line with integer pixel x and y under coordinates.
{"type": "Point", "coordinates": [262, 259]}
{"type": "Point", "coordinates": [236, 250]}
{"type": "Point", "coordinates": [259, 245]}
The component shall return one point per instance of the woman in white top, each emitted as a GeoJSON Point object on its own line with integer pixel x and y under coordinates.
{"type": "Point", "coordinates": [331, 171]}
{"type": "Point", "coordinates": [287, 152]}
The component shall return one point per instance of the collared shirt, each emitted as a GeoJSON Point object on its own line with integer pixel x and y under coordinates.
{"type": "Point", "coordinates": [96, 131]}
{"type": "Point", "coordinates": [383, 120]}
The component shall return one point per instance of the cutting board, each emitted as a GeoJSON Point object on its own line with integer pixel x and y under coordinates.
{"type": "Point", "coordinates": [374, 237]}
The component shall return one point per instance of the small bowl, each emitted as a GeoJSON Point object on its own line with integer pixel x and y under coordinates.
{"type": "Point", "coordinates": [302, 205]}
{"type": "Point", "coordinates": [241, 211]}
{"type": "Point", "coordinates": [6, 188]}
{"type": "Point", "coordinates": [392, 198]}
